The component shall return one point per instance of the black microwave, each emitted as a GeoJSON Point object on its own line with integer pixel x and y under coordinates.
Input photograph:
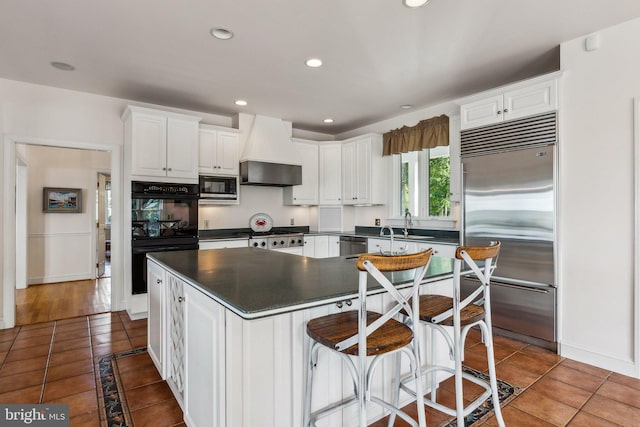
{"type": "Point", "coordinates": [218, 188]}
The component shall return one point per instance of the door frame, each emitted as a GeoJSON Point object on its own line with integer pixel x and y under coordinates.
{"type": "Point", "coordinates": [118, 298]}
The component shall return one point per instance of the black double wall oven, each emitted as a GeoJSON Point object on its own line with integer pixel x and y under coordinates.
{"type": "Point", "coordinates": [164, 217]}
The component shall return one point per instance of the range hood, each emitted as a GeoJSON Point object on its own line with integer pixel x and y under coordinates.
{"type": "Point", "coordinates": [269, 157]}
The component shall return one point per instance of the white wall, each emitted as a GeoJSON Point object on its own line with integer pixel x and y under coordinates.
{"type": "Point", "coordinates": [60, 245]}
{"type": "Point", "coordinates": [596, 205]}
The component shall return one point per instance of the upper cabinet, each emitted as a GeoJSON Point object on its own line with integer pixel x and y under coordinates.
{"type": "Point", "coordinates": [161, 146]}
{"type": "Point", "coordinates": [364, 171]}
{"type": "Point", "coordinates": [218, 151]}
{"type": "Point", "coordinates": [523, 99]}
{"type": "Point", "coordinates": [307, 192]}
{"type": "Point", "coordinates": [330, 177]}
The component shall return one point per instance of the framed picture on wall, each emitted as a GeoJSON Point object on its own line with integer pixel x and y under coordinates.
{"type": "Point", "coordinates": [62, 200]}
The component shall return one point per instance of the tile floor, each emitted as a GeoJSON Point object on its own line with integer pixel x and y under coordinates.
{"type": "Point", "coordinates": [554, 391]}
{"type": "Point", "coordinates": [54, 362]}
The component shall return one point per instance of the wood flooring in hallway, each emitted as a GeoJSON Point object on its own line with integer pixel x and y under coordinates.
{"type": "Point", "coordinates": [55, 301]}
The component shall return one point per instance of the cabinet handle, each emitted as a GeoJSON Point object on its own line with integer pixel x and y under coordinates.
{"type": "Point", "coordinates": [339, 304]}
{"type": "Point", "coordinates": [169, 169]}
{"type": "Point", "coordinates": [499, 112]}
{"type": "Point", "coordinates": [349, 303]}
{"type": "Point", "coordinates": [180, 299]}
{"type": "Point", "coordinates": [506, 110]}
{"type": "Point", "coordinates": [158, 281]}
{"type": "Point", "coordinates": [164, 169]}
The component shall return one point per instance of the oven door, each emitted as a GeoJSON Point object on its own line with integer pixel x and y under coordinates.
{"type": "Point", "coordinates": [139, 263]}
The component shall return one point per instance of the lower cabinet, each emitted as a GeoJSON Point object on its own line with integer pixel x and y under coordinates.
{"type": "Point", "coordinates": [205, 360]}
{"type": "Point", "coordinates": [156, 321]}
{"type": "Point", "coordinates": [321, 246]}
{"type": "Point", "coordinates": [175, 347]}
{"type": "Point", "coordinates": [223, 244]}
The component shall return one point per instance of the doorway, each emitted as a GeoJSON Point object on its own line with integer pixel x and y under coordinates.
{"type": "Point", "coordinates": [10, 239]}
{"type": "Point", "coordinates": [103, 225]}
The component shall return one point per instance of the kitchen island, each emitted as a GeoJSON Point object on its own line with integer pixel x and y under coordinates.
{"type": "Point", "coordinates": [227, 331]}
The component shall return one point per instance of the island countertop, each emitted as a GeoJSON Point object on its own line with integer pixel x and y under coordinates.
{"type": "Point", "coordinates": [256, 283]}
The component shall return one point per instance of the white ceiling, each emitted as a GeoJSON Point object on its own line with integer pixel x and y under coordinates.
{"type": "Point", "coordinates": [377, 54]}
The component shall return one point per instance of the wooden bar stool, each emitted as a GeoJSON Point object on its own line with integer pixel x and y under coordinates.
{"type": "Point", "coordinates": [354, 335]}
{"type": "Point", "coordinates": [438, 311]}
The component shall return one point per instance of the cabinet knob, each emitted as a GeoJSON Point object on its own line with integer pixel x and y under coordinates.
{"type": "Point", "coordinates": [506, 110]}
{"type": "Point", "coordinates": [180, 299]}
{"type": "Point", "coordinates": [339, 304]}
{"type": "Point", "coordinates": [164, 169]}
{"type": "Point", "coordinates": [169, 169]}
{"type": "Point", "coordinates": [499, 112]}
{"type": "Point", "coordinates": [349, 303]}
{"type": "Point", "coordinates": [158, 281]}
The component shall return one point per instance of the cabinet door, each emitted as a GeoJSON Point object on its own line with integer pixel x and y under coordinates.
{"type": "Point", "coordinates": [483, 112]}
{"type": "Point", "coordinates": [377, 245]}
{"type": "Point", "coordinates": [227, 153]}
{"type": "Point", "coordinates": [309, 248]}
{"type": "Point", "coordinates": [531, 100]}
{"type": "Point", "coordinates": [321, 246]}
{"type": "Point", "coordinates": [307, 192]}
{"type": "Point", "coordinates": [363, 171]}
{"type": "Point", "coordinates": [224, 244]}
{"type": "Point", "coordinates": [182, 148]}
{"type": "Point", "coordinates": [149, 145]}
{"type": "Point", "coordinates": [175, 336]}
{"type": "Point", "coordinates": [207, 151]}
{"type": "Point", "coordinates": [156, 316]}
{"type": "Point", "coordinates": [330, 174]}
{"type": "Point", "coordinates": [445, 251]}
{"type": "Point", "coordinates": [204, 360]}
{"type": "Point", "coordinates": [349, 174]}
{"type": "Point", "coordinates": [334, 246]}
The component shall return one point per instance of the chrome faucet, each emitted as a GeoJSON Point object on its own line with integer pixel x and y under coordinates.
{"type": "Point", "coordinates": [390, 235]}
{"type": "Point", "coordinates": [408, 222]}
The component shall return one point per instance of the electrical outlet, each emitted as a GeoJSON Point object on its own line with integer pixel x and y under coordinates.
{"type": "Point", "coordinates": [377, 222]}
{"type": "Point", "coordinates": [292, 221]}
{"type": "Point", "coordinates": [206, 223]}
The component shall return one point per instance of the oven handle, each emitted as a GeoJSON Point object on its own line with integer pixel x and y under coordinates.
{"type": "Point", "coordinates": [161, 249]}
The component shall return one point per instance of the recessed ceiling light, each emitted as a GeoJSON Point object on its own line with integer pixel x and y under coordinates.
{"type": "Point", "coordinates": [415, 3]}
{"type": "Point", "coordinates": [406, 106]}
{"type": "Point", "coordinates": [328, 120]}
{"type": "Point", "coordinates": [314, 62]}
{"type": "Point", "coordinates": [221, 33]}
{"type": "Point", "coordinates": [62, 66]}
{"type": "Point", "coordinates": [241, 102]}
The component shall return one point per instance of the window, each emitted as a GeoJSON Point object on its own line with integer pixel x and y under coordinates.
{"type": "Point", "coordinates": [425, 183]}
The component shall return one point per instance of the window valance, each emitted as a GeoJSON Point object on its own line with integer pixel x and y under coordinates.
{"type": "Point", "coordinates": [429, 133]}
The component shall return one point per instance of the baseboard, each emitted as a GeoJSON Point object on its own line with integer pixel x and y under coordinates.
{"type": "Point", "coordinates": [584, 355]}
{"type": "Point", "coordinates": [57, 279]}
{"type": "Point", "coordinates": [138, 308]}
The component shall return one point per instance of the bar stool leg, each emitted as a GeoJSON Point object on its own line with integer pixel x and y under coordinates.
{"type": "Point", "coordinates": [396, 389]}
{"type": "Point", "coordinates": [312, 361]}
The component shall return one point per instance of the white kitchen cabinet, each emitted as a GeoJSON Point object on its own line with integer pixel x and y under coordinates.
{"type": "Point", "coordinates": [330, 174]}
{"type": "Point", "coordinates": [309, 248]}
{"type": "Point", "coordinates": [175, 343]}
{"type": "Point", "coordinates": [376, 245]}
{"type": "Point", "coordinates": [321, 246]}
{"type": "Point", "coordinates": [334, 246]}
{"type": "Point", "coordinates": [446, 251]}
{"type": "Point", "coordinates": [307, 192]}
{"type": "Point", "coordinates": [224, 244]}
{"type": "Point", "coordinates": [204, 399]}
{"type": "Point", "coordinates": [218, 151]}
{"type": "Point", "coordinates": [364, 171]}
{"type": "Point", "coordinates": [510, 102]}
{"type": "Point", "coordinates": [160, 145]}
{"type": "Point", "coordinates": [156, 319]}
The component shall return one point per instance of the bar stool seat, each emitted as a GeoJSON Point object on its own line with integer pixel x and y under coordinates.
{"type": "Point", "coordinates": [433, 305]}
{"type": "Point", "coordinates": [331, 330]}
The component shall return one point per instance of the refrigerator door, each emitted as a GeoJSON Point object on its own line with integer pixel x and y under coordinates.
{"type": "Point", "coordinates": [510, 197]}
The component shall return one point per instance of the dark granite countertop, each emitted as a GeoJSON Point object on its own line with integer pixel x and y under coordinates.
{"type": "Point", "coordinates": [256, 283]}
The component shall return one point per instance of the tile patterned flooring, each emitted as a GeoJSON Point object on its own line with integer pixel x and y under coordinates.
{"type": "Point", "coordinates": [55, 362]}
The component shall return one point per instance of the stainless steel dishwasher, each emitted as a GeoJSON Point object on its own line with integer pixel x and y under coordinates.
{"type": "Point", "coordinates": [350, 245]}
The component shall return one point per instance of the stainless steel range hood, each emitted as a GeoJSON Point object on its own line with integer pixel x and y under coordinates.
{"type": "Point", "coordinates": [269, 157]}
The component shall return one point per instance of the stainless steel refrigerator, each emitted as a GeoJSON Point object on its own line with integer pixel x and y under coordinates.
{"type": "Point", "coordinates": [509, 195]}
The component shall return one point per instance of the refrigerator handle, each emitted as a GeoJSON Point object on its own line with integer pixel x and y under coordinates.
{"type": "Point", "coordinates": [511, 285]}
{"type": "Point", "coordinates": [462, 197]}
